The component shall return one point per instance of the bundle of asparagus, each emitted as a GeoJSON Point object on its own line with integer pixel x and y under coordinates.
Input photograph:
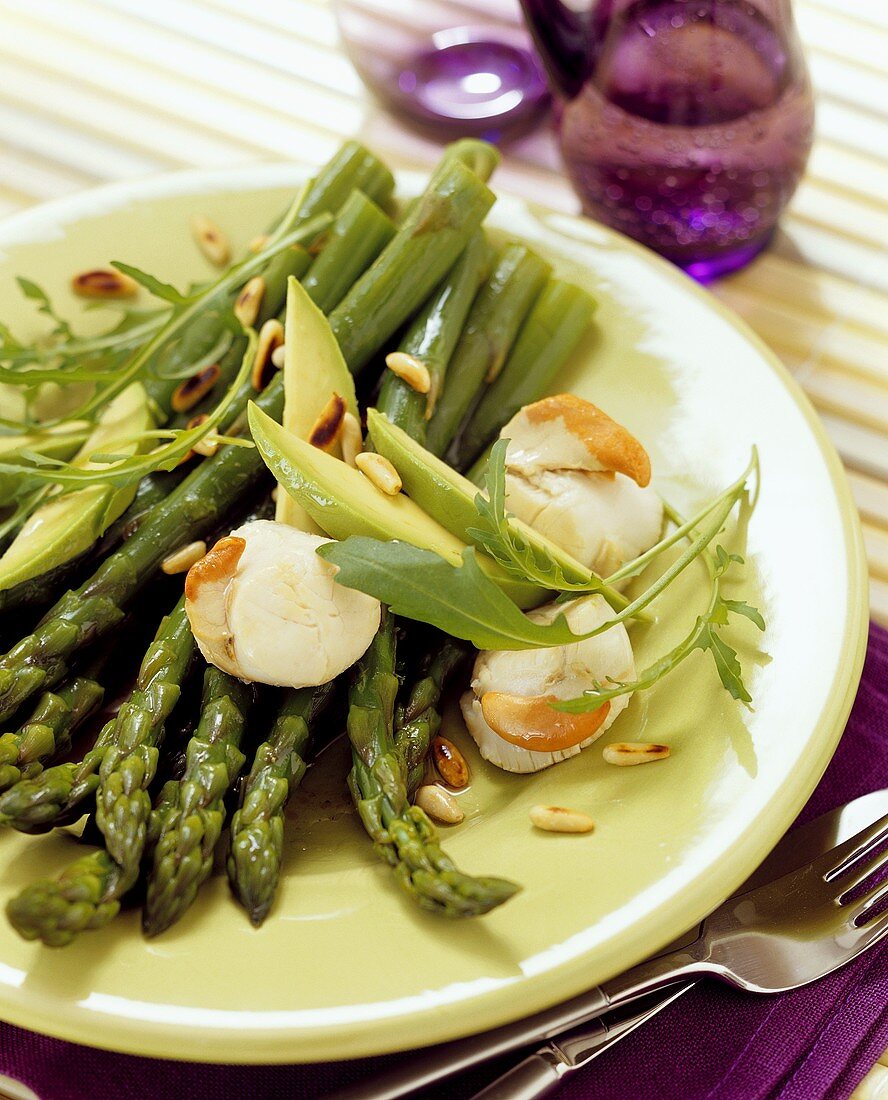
{"type": "Point", "coordinates": [491, 326]}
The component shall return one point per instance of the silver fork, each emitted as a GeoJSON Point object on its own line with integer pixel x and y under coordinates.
{"type": "Point", "coordinates": [601, 1028]}
{"type": "Point", "coordinates": [778, 937]}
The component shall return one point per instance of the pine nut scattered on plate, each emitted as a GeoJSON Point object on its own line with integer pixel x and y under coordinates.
{"type": "Point", "coordinates": [259, 242]}
{"type": "Point", "coordinates": [625, 754]}
{"type": "Point", "coordinates": [246, 308]}
{"type": "Point", "coordinates": [104, 282]}
{"type": "Point", "coordinates": [206, 447]}
{"type": "Point", "coordinates": [327, 429]}
{"type": "Point", "coordinates": [450, 763]}
{"type": "Point", "coordinates": [181, 560]}
{"type": "Point", "coordinates": [378, 470]}
{"type": "Point", "coordinates": [277, 356]}
{"type": "Point", "coordinates": [187, 394]}
{"type": "Point", "coordinates": [558, 819]}
{"type": "Point", "coordinates": [271, 337]}
{"type": "Point", "coordinates": [439, 804]}
{"type": "Point", "coordinates": [352, 439]}
{"type": "Point", "coordinates": [410, 369]}
{"type": "Point", "coordinates": [211, 240]}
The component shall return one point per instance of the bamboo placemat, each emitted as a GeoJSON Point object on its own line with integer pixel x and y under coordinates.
{"type": "Point", "coordinates": [100, 90]}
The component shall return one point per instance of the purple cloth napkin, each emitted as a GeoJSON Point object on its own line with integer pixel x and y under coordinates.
{"type": "Point", "coordinates": [713, 1044]}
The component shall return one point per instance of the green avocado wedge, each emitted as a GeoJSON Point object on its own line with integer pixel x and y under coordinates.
{"type": "Point", "coordinates": [66, 526]}
{"type": "Point", "coordinates": [60, 442]}
{"type": "Point", "coordinates": [342, 502]}
{"type": "Point", "coordinates": [314, 370]}
{"type": "Point", "coordinates": [449, 497]}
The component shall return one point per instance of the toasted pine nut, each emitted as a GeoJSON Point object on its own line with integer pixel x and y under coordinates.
{"type": "Point", "coordinates": [277, 356]}
{"type": "Point", "coordinates": [187, 394]}
{"type": "Point", "coordinates": [259, 242]}
{"type": "Point", "coordinates": [327, 429]}
{"type": "Point", "coordinates": [182, 560]}
{"type": "Point", "coordinates": [439, 804]}
{"type": "Point", "coordinates": [451, 763]}
{"type": "Point", "coordinates": [104, 282]}
{"type": "Point", "coordinates": [210, 240]}
{"type": "Point", "coordinates": [627, 753]}
{"type": "Point", "coordinates": [352, 440]}
{"type": "Point", "coordinates": [377, 469]}
{"type": "Point", "coordinates": [246, 308]}
{"type": "Point", "coordinates": [412, 370]}
{"type": "Point", "coordinates": [207, 446]}
{"type": "Point", "coordinates": [557, 819]}
{"type": "Point", "coordinates": [271, 336]}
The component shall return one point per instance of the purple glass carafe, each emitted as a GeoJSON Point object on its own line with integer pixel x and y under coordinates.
{"type": "Point", "coordinates": [685, 124]}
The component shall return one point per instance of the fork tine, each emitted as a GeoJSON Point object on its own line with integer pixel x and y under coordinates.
{"type": "Point", "coordinates": [862, 870]}
{"type": "Point", "coordinates": [869, 934]}
{"type": "Point", "coordinates": [846, 855]}
{"type": "Point", "coordinates": [869, 901]}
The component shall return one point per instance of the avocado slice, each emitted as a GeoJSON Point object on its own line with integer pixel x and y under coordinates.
{"type": "Point", "coordinates": [341, 502]}
{"type": "Point", "coordinates": [449, 497]}
{"type": "Point", "coordinates": [313, 371]}
{"type": "Point", "coordinates": [65, 526]}
{"type": "Point", "coordinates": [61, 441]}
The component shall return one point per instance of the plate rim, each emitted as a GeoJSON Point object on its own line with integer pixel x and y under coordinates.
{"type": "Point", "coordinates": [377, 1036]}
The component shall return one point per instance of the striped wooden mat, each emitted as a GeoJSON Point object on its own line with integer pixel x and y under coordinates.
{"type": "Point", "coordinates": [99, 90]}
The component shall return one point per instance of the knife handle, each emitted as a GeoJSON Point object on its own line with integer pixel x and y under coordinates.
{"type": "Point", "coordinates": [537, 1076]}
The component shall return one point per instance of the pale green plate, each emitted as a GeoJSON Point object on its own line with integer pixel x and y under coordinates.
{"type": "Point", "coordinates": [345, 966]}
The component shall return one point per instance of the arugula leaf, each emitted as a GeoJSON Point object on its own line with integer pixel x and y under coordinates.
{"type": "Point", "coordinates": [704, 636]}
{"type": "Point", "coordinates": [740, 607]}
{"type": "Point", "coordinates": [121, 471]}
{"type": "Point", "coordinates": [460, 600]}
{"type": "Point", "coordinates": [37, 294]}
{"type": "Point", "coordinates": [726, 662]}
{"type": "Point", "coordinates": [153, 285]}
{"type": "Point", "coordinates": [9, 345]}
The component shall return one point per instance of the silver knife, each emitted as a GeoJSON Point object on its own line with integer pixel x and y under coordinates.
{"type": "Point", "coordinates": [422, 1068]}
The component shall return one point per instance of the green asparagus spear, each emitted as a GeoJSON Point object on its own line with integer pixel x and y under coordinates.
{"type": "Point", "coordinates": [190, 821]}
{"type": "Point", "coordinates": [352, 168]}
{"type": "Point", "coordinates": [85, 896]}
{"type": "Point", "coordinates": [480, 156]}
{"type": "Point", "coordinates": [497, 313]}
{"type": "Point", "coordinates": [381, 301]}
{"type": "Point", "coordinates": [424, 249]}
{"type": "Point", "coordinates": [432, 338]}
{"type": "Point", "coordinates": [419, 720]}
{"type": "Point", "coordinates": [48, 730]}
{"type": "Point", "coordinates": [130, 761]}
{"type": "Point", "coordinates": [553, 329]}
{"type": "Point", "coordinates": [57, 795]}
{"type": "Point", "coordinates": [358, 235]}
{"type": "Point", "coordinates": [257, 827]}
{"type": "Point", "coordinates": [403, 835]}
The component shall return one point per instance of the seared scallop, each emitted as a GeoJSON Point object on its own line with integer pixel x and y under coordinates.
{"type": "Point", "coordinates": [508, 710]}
{"type": "Point", "coordinates": [265, 607]}
{"type": "Point", "coordinates": [582, 480]}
